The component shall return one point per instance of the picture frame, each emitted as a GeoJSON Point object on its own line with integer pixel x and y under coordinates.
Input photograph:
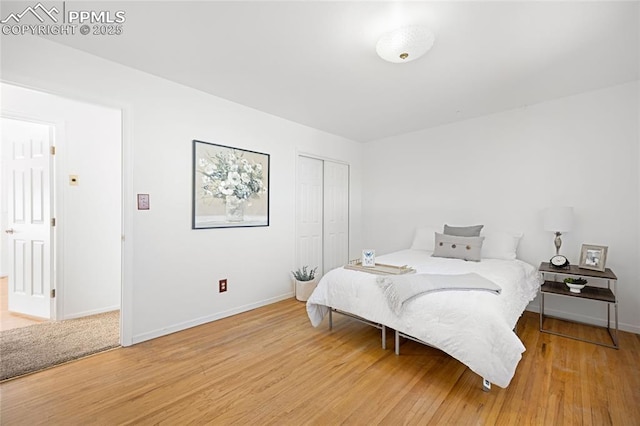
{"type": "Point", "coordinates": [593, 257]}
{"type": "Point", "coordinates": [230, 187]}
{"type": "Point", "coordinates": [368, 257]}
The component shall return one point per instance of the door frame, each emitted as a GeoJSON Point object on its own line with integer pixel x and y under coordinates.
{"type": "Point", "coordinates": [127, 204]}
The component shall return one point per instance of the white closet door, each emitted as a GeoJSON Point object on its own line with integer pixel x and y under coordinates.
{"type": "Point", "coordinates": [309, 213]}
{"type": "Point", "coordinates": [336, 215]}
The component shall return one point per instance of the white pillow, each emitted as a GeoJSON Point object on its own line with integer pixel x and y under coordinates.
{"type": "Point", "coordinates": [500, 245]}
{"type": "Point", "coordinates": [424, 239]}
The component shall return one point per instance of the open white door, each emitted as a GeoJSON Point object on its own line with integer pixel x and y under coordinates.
{"type": "Point", "coordinates": [27, 153]}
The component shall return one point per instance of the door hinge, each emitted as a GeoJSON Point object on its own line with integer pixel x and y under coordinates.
{"type": "Point", "coordinates": [53, 221]}
{"type": "Point", "coordinates": [53, 150]}
{"type": "Point", "coordinates": [53, 293]}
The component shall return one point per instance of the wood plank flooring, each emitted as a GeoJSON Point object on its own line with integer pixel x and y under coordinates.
{"type": "Point", "coordinates": [270, 366]}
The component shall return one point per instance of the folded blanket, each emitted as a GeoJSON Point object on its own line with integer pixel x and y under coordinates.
{"type": "Point", "coordinates": [399, 289]}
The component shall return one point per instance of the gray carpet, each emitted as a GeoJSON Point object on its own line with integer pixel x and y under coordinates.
{"type": "Point", "coordinates": [36, 347]}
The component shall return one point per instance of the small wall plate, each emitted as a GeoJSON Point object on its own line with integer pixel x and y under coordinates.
{"type": "Point", "coordinates": [143, 201]}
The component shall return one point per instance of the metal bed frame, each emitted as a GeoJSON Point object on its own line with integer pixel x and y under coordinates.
{"type": "Point", "coordinates": [486, 384]}
{"type": "Point", "coordinates": [379, 326]}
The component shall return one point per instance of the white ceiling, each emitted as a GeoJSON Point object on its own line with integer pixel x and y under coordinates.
{"type": "Point", "coordinates": [315, 63]}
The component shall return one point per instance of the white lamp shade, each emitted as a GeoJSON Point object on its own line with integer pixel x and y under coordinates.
{"type": "Point", "coordinates": [558, 219]}
{"type": "Point", "coordinates": [405, 44]}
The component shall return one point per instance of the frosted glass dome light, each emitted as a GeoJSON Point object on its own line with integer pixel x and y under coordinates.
{"type": "Point", "coordinates": [405, 44]}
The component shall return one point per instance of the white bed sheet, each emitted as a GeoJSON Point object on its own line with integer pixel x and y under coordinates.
{"type": "Point", "coordinates": [474, 327]}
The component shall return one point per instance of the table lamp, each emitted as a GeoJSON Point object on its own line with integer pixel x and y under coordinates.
{"type": "Point", "coordinates": [558, 220]}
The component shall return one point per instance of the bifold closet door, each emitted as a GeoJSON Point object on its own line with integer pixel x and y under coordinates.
{"type": "Point", "coordinates": [336, 215]}
{"type": "Point", "coordinates": [309, 212]}
{"type": "Point", "coordinates": [322, 214]}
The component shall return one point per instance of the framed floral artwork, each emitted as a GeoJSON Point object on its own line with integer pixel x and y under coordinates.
{"type": "Point", "coordinates": [230, 187]}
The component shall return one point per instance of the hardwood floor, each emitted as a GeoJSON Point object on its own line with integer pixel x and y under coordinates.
{"type": "Point", "coordinates": [10, 320]}
{"type": "Point", "coordinates": [270, 366]}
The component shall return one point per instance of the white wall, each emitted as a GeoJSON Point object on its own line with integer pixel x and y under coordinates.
{"type": "Point", "coordinates": [88, 143]}
{"type": "Point", "coordinates": [171, 272]}
{"type": "Point", "coordinates": [502, 170]}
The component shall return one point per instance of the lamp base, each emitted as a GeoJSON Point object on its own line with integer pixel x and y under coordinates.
{"type": "Point", "coordinates": [557, 241]}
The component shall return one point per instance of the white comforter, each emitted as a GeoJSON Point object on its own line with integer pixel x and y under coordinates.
{"type": "Point", "coordinates": [474, 327]}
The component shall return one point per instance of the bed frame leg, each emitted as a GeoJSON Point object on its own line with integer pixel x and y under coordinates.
{"type": "Point", "coordinates": [330, 319]}
{"type": "Point", "coordinates": [384, 336]}
{"type": "Point", "coordinates": [397, 343]}
{"type": "Point", "coordinates": [486, 385]}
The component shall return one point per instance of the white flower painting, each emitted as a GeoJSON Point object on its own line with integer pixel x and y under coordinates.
{"type": "Point", "coordinates": [230, 187]}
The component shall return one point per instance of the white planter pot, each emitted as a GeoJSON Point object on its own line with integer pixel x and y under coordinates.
{"type": "Point", "coordinates": [305, 288]}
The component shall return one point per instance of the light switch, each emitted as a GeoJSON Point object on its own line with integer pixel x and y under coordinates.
{"type": "Point", "coordinates": [73, 180]}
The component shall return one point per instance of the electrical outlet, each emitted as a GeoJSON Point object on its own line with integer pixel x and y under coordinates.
{"type": "Point", "coordinates": [222, 285]}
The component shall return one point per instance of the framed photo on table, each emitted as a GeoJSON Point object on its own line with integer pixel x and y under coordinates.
{"type": "Point", "coordinates": [593, 257]}
{"type": "Point", "coordinates": [368, 258]}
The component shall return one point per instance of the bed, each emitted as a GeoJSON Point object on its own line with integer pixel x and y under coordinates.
{"type": "Point", "coordinates": [475, 327]}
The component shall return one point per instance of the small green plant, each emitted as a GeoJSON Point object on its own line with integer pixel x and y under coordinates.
{"type": "Point", "coordinates": [579, 281]}
{"type": "Point", "coordinates": [304, 273]}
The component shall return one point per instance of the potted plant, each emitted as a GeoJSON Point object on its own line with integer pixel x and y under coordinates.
{"type": "Point", "coordinates": [305, 282]}
{"type": "Point", "coordinates": [575, 284]}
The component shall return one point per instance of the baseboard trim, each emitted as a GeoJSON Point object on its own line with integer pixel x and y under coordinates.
{"type": "Point", "coordinates": [143, 337]}
{"type": "Point", "coordinates": [92, 312]}
{"type": "Point", "coordinates": [601, 322]}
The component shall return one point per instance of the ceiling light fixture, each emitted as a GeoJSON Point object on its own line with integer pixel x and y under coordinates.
{"type": "Point", "coordinates": [405, 44]}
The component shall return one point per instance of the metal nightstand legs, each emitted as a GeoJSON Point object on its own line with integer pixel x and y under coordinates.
{"type": "Point", "coordinates": [613, 333]}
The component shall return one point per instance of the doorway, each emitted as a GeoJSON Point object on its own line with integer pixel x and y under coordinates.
{"type": "Point", "coordinates": [86, 201]}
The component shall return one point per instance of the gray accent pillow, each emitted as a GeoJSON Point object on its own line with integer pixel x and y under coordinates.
{"type": "Point", "coordinates": [454, 247]}
{"type": "Point", "coordinates": [463, 231]}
